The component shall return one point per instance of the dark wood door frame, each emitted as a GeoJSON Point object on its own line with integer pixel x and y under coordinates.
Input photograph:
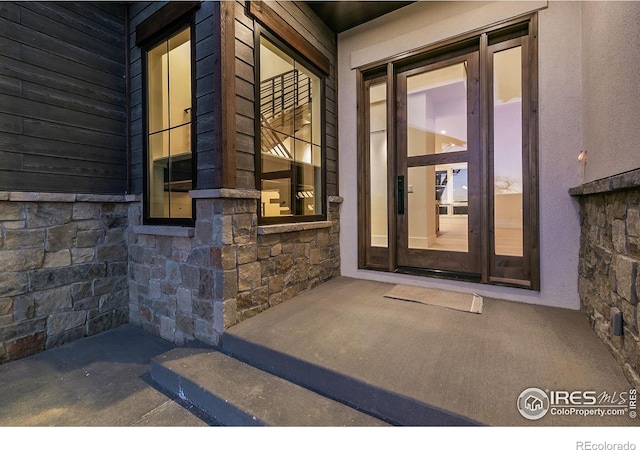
{"type": "Point", "coordinates": [460, 262]}
{"type": "Point", "coordinates": [522, 271]}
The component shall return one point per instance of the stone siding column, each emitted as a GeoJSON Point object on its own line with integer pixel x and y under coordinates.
{"type": "Point", "coordinates": [609, 275]}
{"type": "Point", "coordinates": [63, 269]}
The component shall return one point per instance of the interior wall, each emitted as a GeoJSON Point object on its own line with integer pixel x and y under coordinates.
{"type": "Point", "coordinates": [610, 85]}
{"type": "Point", "coordinates": [560, 133]}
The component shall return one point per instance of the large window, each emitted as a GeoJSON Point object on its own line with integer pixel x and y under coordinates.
{"type": "Point", "coordinates": [169, 147]}
{"type": "Point", "coordinates": [448, 159]}
{"type": "Point", "coordinates": [290, 160]}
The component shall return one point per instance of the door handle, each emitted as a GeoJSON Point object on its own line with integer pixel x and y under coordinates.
{"type": "Point", "coordinates": [400, 202]}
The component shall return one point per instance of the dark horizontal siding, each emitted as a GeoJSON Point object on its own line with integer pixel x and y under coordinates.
{"type": "Point", "coordinates": [138, 12]}
{"type": "Point", "coordinates": [62, 97]}
{"type": "Point", "coordinates": [99, 39]}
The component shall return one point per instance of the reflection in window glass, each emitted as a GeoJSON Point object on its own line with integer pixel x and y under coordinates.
{"type": "Point", "coordinates": [170, 171]}
{"type": "Point", "coordinates": [507, 152]}
{"type": "Point", "coordinates": [378, 164]}
{"type": "Point", "coordinates": [290, 135]}
{"type": "Point", "coordinates": [437, 111]}
{"type": "Point", "coordinates": [437, 207]}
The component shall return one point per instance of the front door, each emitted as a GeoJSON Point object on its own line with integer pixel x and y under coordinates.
{"type": "Point", "coordinates": [438, 168]}
{"type": "Point", "coordinates": [448, 163]}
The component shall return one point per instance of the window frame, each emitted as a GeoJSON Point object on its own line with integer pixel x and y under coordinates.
{"type": "Point", "coordinates": [504, 269]}
{"type": "Point", "coordinates": [165, 33]}
{"type": "Point", "coordinates": [372, 257]}
{"type": "Point", "coordinates": [500, 36]}
{"type": "Point", "coordinates": [291, 51]}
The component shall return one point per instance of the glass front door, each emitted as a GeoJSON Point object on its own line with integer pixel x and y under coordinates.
{"type": "Point", "coordinates": [448, 164]}
{"type": "Point", "coordinates": [438, 171]}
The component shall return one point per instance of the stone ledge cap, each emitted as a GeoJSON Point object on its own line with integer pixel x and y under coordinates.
{"type": "Point", "coordinates": [225, 193]}
{"type": "Point", "coordinates": [626, 180]}
{"type": "Point", "coordinates": [60, 197]}
{"type": "Point", "coordinates": [291, 227]}
{"type": "Point", "coordinates": [41, 197]}
{"type": "Point", "coordinates": [335, 199]}
{"type": "Point", "coordinates": [100, 198]}
{"type": "Point", "coordinates": [165, 230]}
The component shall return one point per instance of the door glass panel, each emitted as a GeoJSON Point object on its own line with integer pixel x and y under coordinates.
{"type": "Point", "coordinates": [437, 111]}
{"type": "Point", "coordinates": [507, 152]}
{"type": "Point", "coordinates": [437, 212]}
{"type": "Point", "coordinates": [378, 164]}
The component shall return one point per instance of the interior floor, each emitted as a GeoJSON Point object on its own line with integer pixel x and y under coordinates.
{"type": "Point", "coordinates": [453, 236]}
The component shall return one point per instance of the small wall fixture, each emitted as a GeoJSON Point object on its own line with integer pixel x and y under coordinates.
{"type": "Point", "coordinates": [582, 157]}
{"type": "Point", "coordinates": [616, 323]}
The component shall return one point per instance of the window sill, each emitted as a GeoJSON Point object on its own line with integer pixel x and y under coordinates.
{"type": "Point", "coordinates": [165, 230]}
{"type": "Point", "coordinates": [292, 227]}
{"type": "Point", "coordinates": [224, 193]}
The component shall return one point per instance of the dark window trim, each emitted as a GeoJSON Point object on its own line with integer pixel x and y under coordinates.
{"type": "Point", "coordinates": [164, 18]}
{"type": "Point", "coordinates": [507, 33]}
{"type": "Point", "coordinates": [372, 257]}
{"type": "Point", "coordinates": [282, 45]}
{"type": "Point", "coordinates": [268, 18]}
{"type": "Point", "coordinates": [225, 164]}
{"type": "Point", "coordinates": [449, 44]}
{"type": "Point", "coordinates": [510, 269]}
{"type": "Point", "coordinates": [173, 28]}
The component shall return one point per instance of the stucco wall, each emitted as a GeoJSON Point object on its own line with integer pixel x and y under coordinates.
{"type": "Point", "coordinates": [610, 37]}
{"type": "Point", "coordinates": [560, 131]}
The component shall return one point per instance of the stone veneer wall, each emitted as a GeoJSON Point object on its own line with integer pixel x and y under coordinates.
{"type": "Point", "coordinates": [193, 283]}
{"type": "Point", "coordinates": [74, 265]}
{"type": "Point", "coordinates": [287, 260]}
{"type": "Point", "coordinates": [609, 275]}
{"type": "Point", "coordinates": [63, 269]}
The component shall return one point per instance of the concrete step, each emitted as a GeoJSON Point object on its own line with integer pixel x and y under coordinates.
{"type": "Point", "coordinates": [236, 394]}
{"type": "Point", "coordinates": [389, 406]}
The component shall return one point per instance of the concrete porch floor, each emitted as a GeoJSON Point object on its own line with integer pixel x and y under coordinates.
{"type": "Point", "coordinates": [473, 365]}
{"type": "Point", "coordinates": [470, 365]}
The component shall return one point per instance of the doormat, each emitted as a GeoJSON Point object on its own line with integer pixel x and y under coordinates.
{"type": "Point", "coordinates": [453, 300]}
